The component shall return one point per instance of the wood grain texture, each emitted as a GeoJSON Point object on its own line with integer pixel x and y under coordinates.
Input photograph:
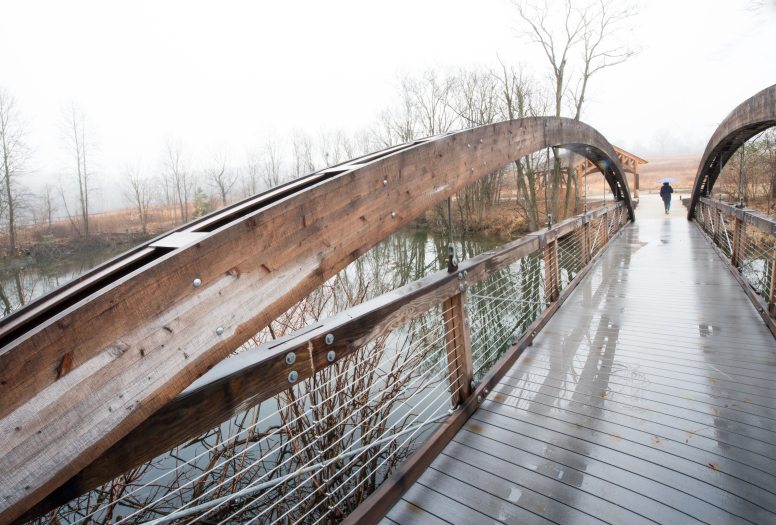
{"type": "Point", "coordinates": [141, 339]}
{"type": "Point", "coordinates": [459, 346]}
{"type": "Point", "coordinates": [223, 392]}
{"type": "Point", "coordinates": [608, 412]}
{"type": "Point", "coordinates": [551, 271]}
{"type": "Point", "coordinates": [745, 121]}
{"type": "Point", "coordinates": [761, 221]}
{"type": "Point", "coordinates": [380, 502]}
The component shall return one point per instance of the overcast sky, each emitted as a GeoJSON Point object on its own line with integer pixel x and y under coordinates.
{"type": "Point", "coordinates": [224, 75]}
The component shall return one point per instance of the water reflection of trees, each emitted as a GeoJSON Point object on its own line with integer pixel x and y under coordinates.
{"type": "Point", "coordinates": [383, 388]}
{"type": "Point", "coordinates": [503, 307]}
{"type": "Point", "coordinates": [25, 280]}
{"type": "Point", "coordinates": [380, 389]}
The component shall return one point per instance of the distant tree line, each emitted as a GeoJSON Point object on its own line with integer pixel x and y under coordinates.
{"type": "Point", "coordinates": [750, 174]}
{"type": "Point", "coordinates": [577, 41]}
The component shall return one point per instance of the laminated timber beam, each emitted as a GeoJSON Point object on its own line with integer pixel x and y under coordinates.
{"type": "Point", "coordinates": [82, 367]}
{"type": "Point", "coordinates": [752, 116]}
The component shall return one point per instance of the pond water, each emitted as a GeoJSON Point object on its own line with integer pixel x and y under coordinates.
{"type": "Point", "coordinates": [400, 259]}
{"type": "Point", "coordinates": [24, 280]}
{"type": "Point", "coordinates": [407, 255]}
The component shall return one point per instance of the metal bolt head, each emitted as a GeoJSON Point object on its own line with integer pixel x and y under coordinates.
{"type": "Point", "coordinates": [385, 182]}
{"type": "Point", "coordinates": [329, 339]}
{"type": "Point", "coordinates": [219, 330]}
{"type": "Point", "coordinates": [293, 376]}
{"type": "Point", "coordinates": [468, 145]}
{"type": "Point", "coordinates": [290, 358]}
{"type": "Point", "coordinates": [462, 287]}
{"type": "Point", "coordinates": [465, 274]}
{"type": "Point", "coordinates": [331, 356]}
{"type": "Point", "coordinates": [196, 283]}
{"type": "Point", "coordinates": [460, 276]}
{"type": "Point", "coordinates": [479, 399]}
{"type": "Point", "coordinates": [393, 215]}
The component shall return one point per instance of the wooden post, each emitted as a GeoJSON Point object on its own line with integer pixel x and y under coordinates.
{"type": "Point", "coordinates": [605, 229]}
{"type": "Point", "coordinates": [636, 180]}
{"type": "Point", "coordinates": [739, 242]}
{"type": "Point", "coordinates": [585, 242]}
{"type": "Point", "coordinates": [772, 295]}
{"type": "Point", "coordinates": [459, 347]}
{"type": "Point", "coordinates": [551, 273]}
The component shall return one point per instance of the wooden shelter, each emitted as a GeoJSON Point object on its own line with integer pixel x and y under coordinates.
{"type": "Point", "coordinates": [630, 164]}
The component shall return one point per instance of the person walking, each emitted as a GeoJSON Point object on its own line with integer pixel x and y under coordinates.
{"type": "Point", "coordinates": [665, 194]}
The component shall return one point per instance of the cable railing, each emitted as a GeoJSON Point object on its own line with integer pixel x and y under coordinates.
{"type": "Point", "coordinates": [747, 240]}
{"type": "Point", "coordinates": [310, 426]}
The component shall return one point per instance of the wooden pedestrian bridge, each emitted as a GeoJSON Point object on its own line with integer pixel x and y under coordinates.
{"type": "Point", "coordinates": [602, 369]}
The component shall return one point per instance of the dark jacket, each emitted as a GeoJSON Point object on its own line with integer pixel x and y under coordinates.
{"type": "Point", "coordinates": [666, 192]}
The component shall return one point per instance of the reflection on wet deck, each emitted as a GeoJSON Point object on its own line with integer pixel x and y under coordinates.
{"type": "Point", "coordinates": [649, 397]}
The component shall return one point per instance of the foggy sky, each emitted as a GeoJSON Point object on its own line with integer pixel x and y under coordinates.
{"type": "Point", "coordinates": [223, 76]}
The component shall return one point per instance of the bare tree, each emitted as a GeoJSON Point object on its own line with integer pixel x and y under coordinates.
{"type": "Point", "coordinates": [13, 152]}
{"type": "Point", "coordinates": [303, 154]}
{"type": "Point", "coordinates": [599, 44]}
{"type": "Point", "coordinates": [139, 193]}
{"type": "Point", "coordinates": [590, 27]}
{"type": "Point", "coordinates": [271, 168]}
{"type": "Point", "coordinates": [251, 175]}
{"type": "Point", "coordinates": [520, 99]}
{"type": "Point", "coordinates": [81, 149]}
{"type": "Point", "coordinates": [555, 39]}
{"type": "Point", "coordinates": [179, 179]}
{"type": "Point", "coordinates": [221, 177]}
{"type": "Point", "coordinates": [430, 97]}
{"type": "Point", "coordinates": [63, 197]}
{"type": "Point", "coordinates": [397, 125]}
{"type": "Point", "coordinates": [475, 97]}
{"type": "Point", "coordinates": [47, 204]}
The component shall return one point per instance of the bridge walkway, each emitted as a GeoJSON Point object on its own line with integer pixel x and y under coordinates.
{"type": "Point", "coordinates": [650, 396]}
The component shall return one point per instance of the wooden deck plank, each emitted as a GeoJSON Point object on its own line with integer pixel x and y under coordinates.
{"type": "Point", "coordinates": [675, 422]}
{"type": "Point", "coordinates": [443, 500]}
{"type": "Point", "coordinates": [654, 497]}
{"type": "Point", "coordinates": [406, 512]}
{"type": "Point", "coordinates": [574, 500]}
{"type": "Point", "coordinates": [652, 390]}
{"type": "Point", "coordinates": [688, 402]}
{"type": "Point", "coordinates": [634, 473]}
{"type": "Point", "coordinates": [665, 385]}
{"type": "Point", "coordinates": [569, 466]}
{"type": "Point", "coordinates": [692, 411]}
{"type": "Point", "coordinates": [496, 508]}
{"type": "Point", "coordinates": [707, 468]}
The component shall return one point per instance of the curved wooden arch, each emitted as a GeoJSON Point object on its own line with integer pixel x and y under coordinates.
{"type": "Point", "coordinates": [748, 119]}
{"type": "Point", "coordinates": [85, 368]}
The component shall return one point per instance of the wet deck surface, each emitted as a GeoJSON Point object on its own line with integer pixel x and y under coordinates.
{"type": "Point", "coordinates": [649, 397]}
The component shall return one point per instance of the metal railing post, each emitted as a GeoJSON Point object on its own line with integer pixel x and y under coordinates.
{"type": "Point", "coordinates": [459, 345]}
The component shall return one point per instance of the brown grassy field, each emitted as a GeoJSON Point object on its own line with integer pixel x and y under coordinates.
{"type": "Point", "coordinates": [681, 168]}
{"type": "Point", "coordinates": [501, 220]}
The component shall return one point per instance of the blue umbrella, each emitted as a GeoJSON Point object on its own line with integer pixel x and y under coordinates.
{"type": "Point", "coordinates": [669, 179]}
